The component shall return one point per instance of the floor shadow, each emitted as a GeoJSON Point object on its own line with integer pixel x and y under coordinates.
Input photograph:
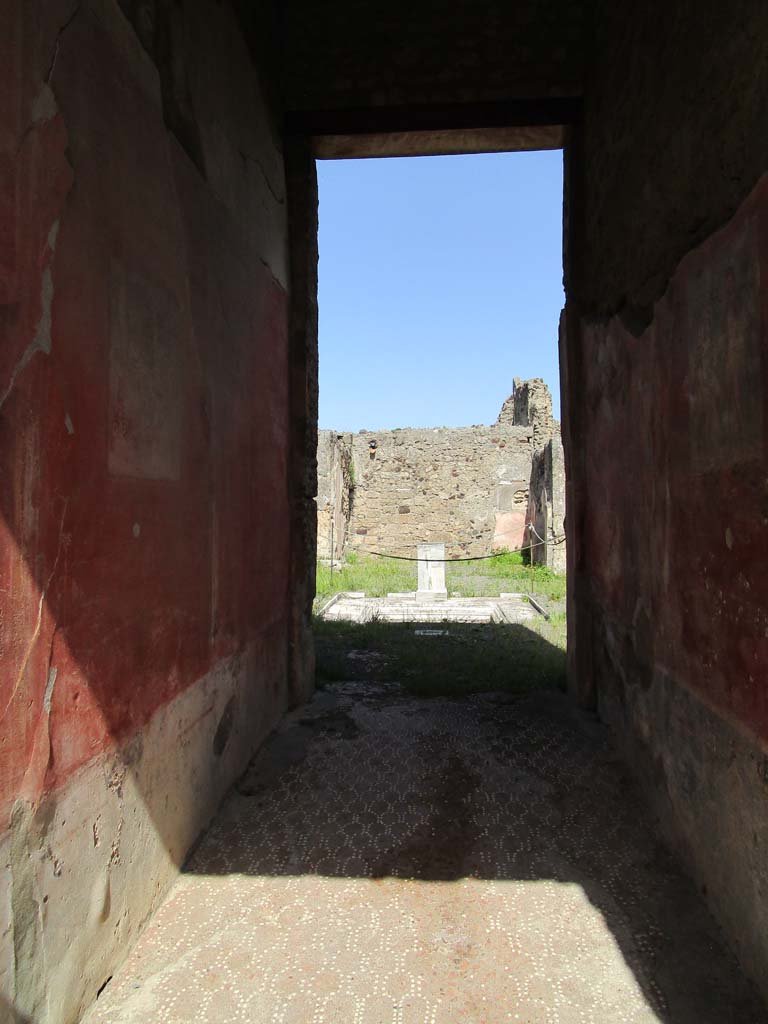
{"type": "Point", "coordinates": [371, 782]}
{"type": "Point", "coordinates": [440, 659]}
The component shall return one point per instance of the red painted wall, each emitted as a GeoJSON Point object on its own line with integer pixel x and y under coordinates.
{"type": "Point", "coordinates": [675, 470]}
{"type": "Point", "coordinates": [144, 416]}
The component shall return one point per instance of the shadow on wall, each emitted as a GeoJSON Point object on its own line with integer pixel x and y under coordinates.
{"type": "Point", "coordinates": [467, 658]}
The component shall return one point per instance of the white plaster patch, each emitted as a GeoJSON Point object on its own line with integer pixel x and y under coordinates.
{"type": "Point", "coordinates": [44, 107]}
{"type": "Point", "coordinates": [53, 235]}
{"type": "Point", "coordinates": [48, 696]}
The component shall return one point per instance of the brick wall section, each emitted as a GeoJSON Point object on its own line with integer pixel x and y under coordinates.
{"type": "Point", "coordinates": [334, 492]}
{"type": "Point", "coordinates": [441, 485]}
{"type": "Point", "coordinates": [546, 505]}
{"type": "Point", "coordinates": [466, 486]}
{"type": "Point", "coordinates": [530, 405]}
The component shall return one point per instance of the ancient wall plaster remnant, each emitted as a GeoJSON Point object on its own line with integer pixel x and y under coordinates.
{"type": "Point", "coordinates": [42, 339]}
{"type": "Point", "coordinates": [28, 932]}
{"type": "Point", "coordinates": [65, 25]}
{"type": "Point", "coordinates": [39, 622]}
{"type": "Point", "coordinates": [48, 696]}
{"type": "Point", "coordinates": [278, 194]}
{"type": "Point", "coordinates": [45, 107]}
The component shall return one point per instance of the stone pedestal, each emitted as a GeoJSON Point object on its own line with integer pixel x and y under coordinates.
{"type": "Point", "coordinates": [431, 572]}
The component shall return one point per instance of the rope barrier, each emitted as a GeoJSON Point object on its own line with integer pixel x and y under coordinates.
{"type": "Point", "coordinates": [476, 558]}
{"type": "Point", "coordinates": [555, 540]}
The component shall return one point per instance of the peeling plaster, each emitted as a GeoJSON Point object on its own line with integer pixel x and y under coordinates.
{"type": "Point", "coordinates": [39, 622]}
{"type": "Point", "coordinates": [28, 932]}
{"type": "Point", "coordinates": [42, 340]}
{"type": "Point", "coordinates": [45, 107]}
{"type": "Point", "coordinates": [52, 673]}
{"type": "Point", "coordinates": [59, 34]}
{"type": "Point", "coordinates": [53, 235]}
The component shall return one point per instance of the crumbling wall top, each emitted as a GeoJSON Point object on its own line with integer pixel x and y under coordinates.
{"type": "Point", "coordinates": [529, 405]}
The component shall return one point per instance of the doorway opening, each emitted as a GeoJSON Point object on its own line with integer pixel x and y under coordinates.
{"type": "Point", "coordinates": [441, 481]}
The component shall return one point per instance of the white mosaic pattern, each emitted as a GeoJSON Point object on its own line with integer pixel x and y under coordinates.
{"type": "Point", "coordinates": [390, 860]}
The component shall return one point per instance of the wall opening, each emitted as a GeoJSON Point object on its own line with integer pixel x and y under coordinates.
{"type": "Point", "coordinates": [440, 294]}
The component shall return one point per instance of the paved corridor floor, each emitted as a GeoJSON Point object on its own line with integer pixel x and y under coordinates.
{"type": "Point", "coordinates": [393, 860]}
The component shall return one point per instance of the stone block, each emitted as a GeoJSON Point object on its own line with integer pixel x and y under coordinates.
{"type": "Point", "coordinates": [432, 571]}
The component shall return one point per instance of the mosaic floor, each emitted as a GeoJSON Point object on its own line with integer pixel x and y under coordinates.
{"type": "Point", "coordinates": [390, 860]}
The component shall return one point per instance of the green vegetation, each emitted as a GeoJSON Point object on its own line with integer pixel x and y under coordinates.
{"type": "Point", "coordinates": [377, 577]}
{"type": "Point", "coordinates": [505, 572]}
{"type": "Point", "coordinates": [467, 658]}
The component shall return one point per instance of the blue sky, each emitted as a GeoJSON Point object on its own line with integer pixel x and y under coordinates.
{"type": "Point", "coordinates": [440, 281]}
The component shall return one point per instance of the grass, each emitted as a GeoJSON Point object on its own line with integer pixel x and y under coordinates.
{"type": "Point", "coordinates": [506, 571]}
{"type": "Point", "coordinates": [471, 658]}
{"type": "Point", "coordinates": [377, 577]}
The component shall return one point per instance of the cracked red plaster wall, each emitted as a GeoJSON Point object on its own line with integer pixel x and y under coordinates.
{"type": "Point", "coordinates": [113, 453]}
{"type": "Point", "coordinates": [144, 444]}
{"type": "Point", "coordinates": [667, 431]}
{"type": "Point", "coordinates": [680, 569]}
{"type": "Point", "coordinates": [676, 595]}
{"type": "Point", "coordinates": [37, 179]}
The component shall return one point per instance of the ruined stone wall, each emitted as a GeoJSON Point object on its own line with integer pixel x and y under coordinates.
{"type": "Point", "coordinates": [546, 506]}
{"type": "Point", "coordinates": [327, 483]}
{"type": "Point", "coordinates": [665, 428]}
{"type": "Point", "coordinates": [467, 486]}
{"type": "Point", "coordinates": [530, 405]}
{"type": "Point", "coordinates": [335, 492]}
{"type": "Point", "coordinates": [144, 437]}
